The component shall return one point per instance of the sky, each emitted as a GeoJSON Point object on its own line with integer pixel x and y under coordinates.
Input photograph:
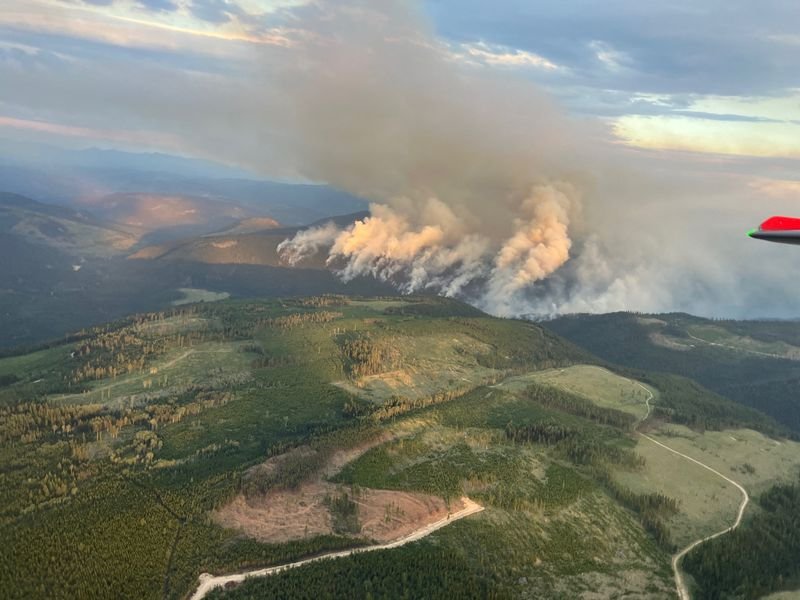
{"type": "Point", "coordinates": [697, 101]}
{"type": "Point", "coordinates": [714, 76]}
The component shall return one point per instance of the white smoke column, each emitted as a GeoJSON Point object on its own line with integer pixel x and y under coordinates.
{"type": "Point", "coordinates": [466, 169]}
{"type": "Point", "coordinates": [387, 246]}
{"type": "Point", "coordinates": [307, 243]}
{"type": "Point", "coordinates": [540, 245]}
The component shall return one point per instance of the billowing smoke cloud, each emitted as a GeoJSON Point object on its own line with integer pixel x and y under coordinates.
{"type": "Point", "coordinates": [439, 254]}
{"type": "Point", "coordinates": [467, 171]}
{"type": "Point", "coordinates": [479, 187]}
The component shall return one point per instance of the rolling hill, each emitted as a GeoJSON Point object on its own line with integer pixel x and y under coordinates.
{"type": "Point", "coordinates": [89, 179]}
{"type": "Point", "coordinates": [249, 242]}
{"type": "Point", "coordinates": [168, 217]}
{"type": "Point", "coordinates": [148, 456]}
{"type": "Point", "coordinates": [79, 234]}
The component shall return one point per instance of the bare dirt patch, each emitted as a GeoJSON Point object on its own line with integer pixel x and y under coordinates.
{"type": "Point", "coordinates": [278, 516]}
{"type": "Point", "coordinates": [282, 515]}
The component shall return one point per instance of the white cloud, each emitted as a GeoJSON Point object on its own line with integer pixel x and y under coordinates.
{"type": "Point", "coordinates": [613, 60]}
{"type": "Point", "coordinates": [785, 107]}
{"type": "Point", "coordinates": [127, 25]}
{"type": "Point", "coordinates": [502, 56]}
{"type": "Point", "coordinates": [745, 138]}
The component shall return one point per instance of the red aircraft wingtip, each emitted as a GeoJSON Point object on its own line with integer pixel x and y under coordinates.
{"type": "Point", "coordinates": [780, 224]}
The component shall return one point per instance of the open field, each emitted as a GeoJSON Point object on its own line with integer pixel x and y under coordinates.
{"type": "Point", "coordinates": [706, 503]}
{"type": "Point", "coordinates": [599, 385]}
{"type": "Point", "coordinates": [749, 457]}
{"type": "Point", "coordinates": [173, 372]}
{"type": "Point", "coordinates": [378, 305]}
{"type": "Point", "coordinates": [36, 364]}
{"type": "Point", "coordinates": [722, 338]}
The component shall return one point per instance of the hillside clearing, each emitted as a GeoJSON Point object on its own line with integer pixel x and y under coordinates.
{"type": "Point", "coordinates": [599, 385]}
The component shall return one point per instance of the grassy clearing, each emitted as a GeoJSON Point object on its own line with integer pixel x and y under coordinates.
{"type": "Point", "coordinates": [430, 364]}
{"type": "Point", "coordinates": [708, 503]}
{"type": "Point", "coordinates": [179, 368]}
{"type": "Point", "coordinates": [599, 385]}
{"type": "Point", "coordinates": [721, 336]}
{"type": "Point", "coordinates": [378, 305]}
{"type": "Point", "coordinates": [177, 324]}
{"type": "Point", "coordinates": [36, 364]}
{"type": "Point", "coordinates": [749, 457]}
{"type": "Point", "coordinates": [191, 295]}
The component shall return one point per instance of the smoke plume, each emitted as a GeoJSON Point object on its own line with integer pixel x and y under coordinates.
{"type": "Point", "coordinates": [467, 171]}
{"type": "Point", "coordinates": [479, 187]}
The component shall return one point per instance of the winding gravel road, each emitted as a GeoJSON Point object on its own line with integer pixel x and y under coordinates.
{"type": "Point", "coordinates": [680, 582]}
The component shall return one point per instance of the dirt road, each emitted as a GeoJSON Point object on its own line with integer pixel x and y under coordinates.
{"type": "Point", "coordinates": [738, 349]}
{"type": "Point", "coordinates": [127, 380]}
{"type": "Point", "coordinates": [680, 582]}
{"type": "Point", "coordinates": [209, 582]}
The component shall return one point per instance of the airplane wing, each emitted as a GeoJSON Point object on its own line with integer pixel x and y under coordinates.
{"type": "Point", "coordinates": [784, 230]}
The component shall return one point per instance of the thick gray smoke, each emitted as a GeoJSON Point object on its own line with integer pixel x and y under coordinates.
{"type": "Point", "coordinates": [467, 172]}
{"type": "Point", "coordinates": [479, 187]}
{"type": "Point", "coordinates": [482, 189]}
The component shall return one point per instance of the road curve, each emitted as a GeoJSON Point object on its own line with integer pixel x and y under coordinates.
{"type": "Point", "coordinates": [680, 582]}
{"type": "Point", "coordinates": [738, 349]}
{"type": "Point", "coordinates": [209, 582]}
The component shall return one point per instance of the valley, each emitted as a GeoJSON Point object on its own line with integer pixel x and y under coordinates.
{"type": "Point", "coordinates": [87, 264]}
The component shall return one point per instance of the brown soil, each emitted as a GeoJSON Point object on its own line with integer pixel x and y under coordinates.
{"type": "Point", "coordinates": [281, 516]}
{"type": "Point", "coordinates": [284, 515]}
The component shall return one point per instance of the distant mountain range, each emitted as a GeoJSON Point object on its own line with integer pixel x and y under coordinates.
{"type": "Point", "coordinates": [68, 268]}
{"type": "Point", "coordinates": [249, 242]}
{"type": "Point", "coordinates": [113, 183]}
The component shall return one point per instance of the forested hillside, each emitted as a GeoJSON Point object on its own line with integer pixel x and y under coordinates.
{"type": "Point", "coordinates": [755, 363]}
{"type": "Point", "coordinates": [761, 557]}
{"type": "Point", "coordinates": [226, 436]}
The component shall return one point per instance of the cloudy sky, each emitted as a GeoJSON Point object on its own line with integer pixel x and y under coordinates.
{"type": "Point", "coordinates": [701, 95]}
{"type": "Point", "coordinates": [717, 76]}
